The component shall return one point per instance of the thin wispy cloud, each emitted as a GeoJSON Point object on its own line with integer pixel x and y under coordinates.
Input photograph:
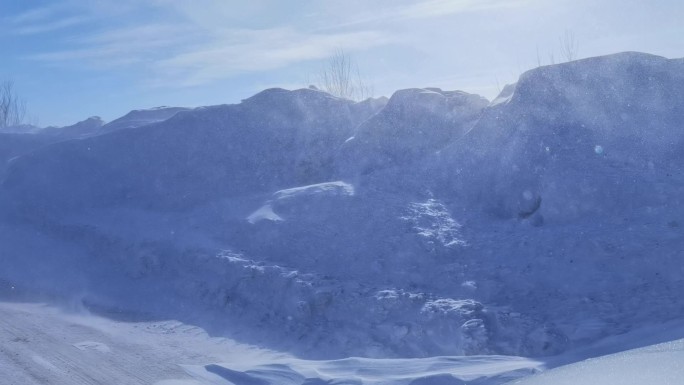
{"type": "Point", "coordinates": [190, 43]}
{"type": "Point", "coordinates": [441, 8]}
{"type": "Point", "coordinates": [259, 50]}
{"type": "Point", "coordinates": [195, 47]}
{"type": "Point", "coordinates": [43, 27]}
{"type": "Point", "coordinates": [54, 17]}
{"type": "Point", "coordinates": [36, 14]}
{"type": "Point", "coordinates": [384, 13]}
{"type": "Point", "coordinates": [122, 47]}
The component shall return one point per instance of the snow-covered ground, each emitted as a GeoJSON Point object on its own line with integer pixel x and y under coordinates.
{"type": "Point", "coordinates": [44, 345]}
{"type": "Point", "coordinates": [661, 364]}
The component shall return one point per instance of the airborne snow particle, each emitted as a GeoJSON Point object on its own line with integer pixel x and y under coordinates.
{"type": "Point", "coordinates": [598, 150]}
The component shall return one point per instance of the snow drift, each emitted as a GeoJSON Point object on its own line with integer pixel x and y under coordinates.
{"type": "Point", "coordinates": [540, 222]}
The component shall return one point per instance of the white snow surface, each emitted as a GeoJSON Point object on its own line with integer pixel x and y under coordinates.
{"type": "Point", "coordinates": [44, 345]}
{"type": "Point", "coordinates": [63, 346]}
{"type": "Point", "coordinates": [20, 129]}
{"type": "Point", "coordinates": [292, 196]}
{"type": "Point", "coordinates": [139, 118]}
{"type": "Point", "coordinates": [661, 364]}
{"type": "Point", "coordinates": [414, 123]}
{"type": "Point", "coordinates": [82, 129]}
{"type": "Point", "coordinates": [447, 226]}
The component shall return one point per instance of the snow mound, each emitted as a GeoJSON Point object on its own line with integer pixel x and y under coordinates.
{"type": "Point", "coordinates": [482, 370]}
{"type": "Point", "coordinates": [658, 364]}
{"type": "Point", "coordinates": [414, 123]}
{"type": "Point", "coordinates": [82, 129]}
{"type": "Point", "coordinates": [618, 116]}
{"type": "Point", "coordinates": [272, 140]}
{"type": "Point", "coordinates": [367, 108]}
{"type": "Point", "coordinates": [139, 118]}
{"type": "Point", "coordinates": [551, 221]}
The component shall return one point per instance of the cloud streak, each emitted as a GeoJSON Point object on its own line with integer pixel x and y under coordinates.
{"type": "Point", "coordinates": [243, 51]}
{"type": "Point", "coordinates": [43, 27]}
{"type": "Point", "coordinates": [438, 8]}
{"type": "Point", "coordinates": [190, 44]}
{"type": "Point", "coordinates": [36, 14]}
{"type": "Point", "coordinates": [44, 19]}
{"type": "Point", "coordinates": [400, 12]}
{"type": "Point", "coordinates": [188, 51]}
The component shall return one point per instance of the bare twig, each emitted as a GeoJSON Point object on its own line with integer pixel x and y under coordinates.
{"type": "Point", "coordinates": [12, 108]}
{"type": "Point", "coordinates": [341, 77]}
{"type": "Point", "coordinates": [569, 46]}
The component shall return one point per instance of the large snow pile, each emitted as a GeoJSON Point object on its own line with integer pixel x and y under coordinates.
{"type": "Point", "coordinates": [541, 222]}
{"type": "Point", "coordinates": [618, 116]}
{"type": "Point", "coordinates": [274, 139]}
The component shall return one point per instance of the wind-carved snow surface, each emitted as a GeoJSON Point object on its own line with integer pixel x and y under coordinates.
{"type": "Point", "coordinates": [431, 220]}
{"type": "Point", "coordinates": [44, 346]}
{"type": "Point", "coordinates": [539, 223]}
{"type": "Point", "coordinates": [304, 193]}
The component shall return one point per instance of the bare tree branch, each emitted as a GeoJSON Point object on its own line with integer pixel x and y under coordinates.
{"type": "Point", "coordinates": [569, 46]}
{"type": "Point", "coordinates": [539, 63]}
{"type": "Point", "coordinates": [12, 108]}
{"type": "Point", "coordinates": [341, 77]}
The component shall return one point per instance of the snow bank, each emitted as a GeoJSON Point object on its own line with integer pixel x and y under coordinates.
{"type": "Point", "coordinates": [273, 140]}
{"type": "Point", "coordinates": [537, 152]}
{"type": "Point", "coordinates": [549, 222]}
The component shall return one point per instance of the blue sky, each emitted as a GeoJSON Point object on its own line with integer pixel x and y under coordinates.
{"type": "Point", "coordinates": [71, 59]}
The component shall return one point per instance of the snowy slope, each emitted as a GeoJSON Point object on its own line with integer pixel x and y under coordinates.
{"type": "Point", "coordinates": [42, 345]}
{"type": "Point", "coordinates": [414, 123]}
{"type": "Point", "coordinates": [549, 222]}
{"type": "Point", "coordinates": [46, 345]}
{"type": "Point", "coordinates": [618, 116]}
{"type": "Point", "coordinates": [20, 129]}
{"type": "Point", "coordinates": [14, 145]}
{"type": "Point", "coordinates": [657, 364]}
{"type": "Point", "coordinates": [139, 118]}
{"type": "Point", "coordinates": [84, 128]}
{"type": "Point", "coordinates": [277, 138]}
